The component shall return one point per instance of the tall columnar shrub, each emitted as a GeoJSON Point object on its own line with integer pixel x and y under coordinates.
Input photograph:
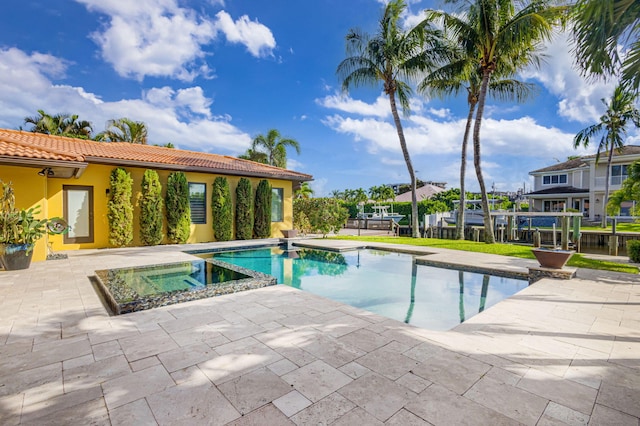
{"type": "Point", "coordinates": [178, 210]}
{"type": "Point", "coordinates": [244, 210]}
{"type": "Point", "coordinates": [120, 208]}
{"type": "Point", "coordinates": [262, 219]}
{"type": "Point", "coordinates": [222, 209]}
{"type": "Point", "coordinates": [151, 209]}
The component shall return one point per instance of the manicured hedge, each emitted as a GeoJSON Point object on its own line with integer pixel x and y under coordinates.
{"type": "Point", "coordinates": [120, 208]}
{"type": "Point", "coordinates": [262, 218]}
{"type": "Point", "coordinates": [151, 203]}
{"type": "Point", "coordinates": [222, 210]}
{"type": "Point", "coordinates": [178, 210]}
{"type": "Point", "coordinates": [244, 210]}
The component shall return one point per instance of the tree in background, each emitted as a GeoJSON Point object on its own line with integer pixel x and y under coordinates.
{"type": "Point", "coordinates": [178, 209]}
{"type": "Point", "coordinates": [253, 155]}
{"type": "Point", "coordinates": [322, 215]}
{"type": "Point", "coordinates": [499, 36]}
{"type": "Point", "coordinates": [621, 111]}
{"type": "Point", "coordinates": [151, 203]}
{"type": "Point", "coordinates": [60, 125]}
{"type": "Point", "coordinates": [222, 209]}
{"type": "Point", "coordinates": [393, 57]}
{"type": "Point", "coordinates": [602, 29]}
{"type": "Point", "coordinates": [124, 130]}
{"type": "Point", "coordinates": [305, 191]}
{"type": "Point", "coordinates": [262, 218]}
{"type": "Point", "coordinates": [630, 191]}
{"type": "Point", "coordinates": [274, 147]}
{"type": "Point", "coordinates": [120, 208]}
{"type": "Point", "coordinates": [382, 193]}
{"type": "Point", "coordinates": [244, 210]}
{"type": "Point", "coordinates": [463, 74]}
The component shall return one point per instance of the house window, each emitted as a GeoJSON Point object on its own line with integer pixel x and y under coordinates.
{"type": "Point", "coordinates": [618, 174]}
{"type": "Point", "coordinates": [197, 202]}
{"type": "Point", "coordinates": [554, 179]}
{"type": "Point", "coordinates": [553, 205]}
{"type": "Point", "coordinates": [277, 205]}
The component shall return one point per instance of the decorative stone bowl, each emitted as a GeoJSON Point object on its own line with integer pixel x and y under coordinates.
{"type": "Point", "coordinates": [552, 258]}
{"type": "Point", "coordinates": [290, 233]}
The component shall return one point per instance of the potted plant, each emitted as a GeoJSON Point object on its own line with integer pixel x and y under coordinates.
{"type": "Point", "coordinates": [19, 231]}
{"type": "Point", "coordinates": [552, 258]}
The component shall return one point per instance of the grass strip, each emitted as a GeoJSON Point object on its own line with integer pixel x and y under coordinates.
{"type": "Point", "coordinates": [513, 250]}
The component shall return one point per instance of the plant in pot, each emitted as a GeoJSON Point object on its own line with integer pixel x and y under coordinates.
{"type": "Point", "coordinates": [19, 231]}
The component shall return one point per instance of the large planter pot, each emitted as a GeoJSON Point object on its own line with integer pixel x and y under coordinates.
{"type": "Point", "coordinates": [290, 233]}
{"type": "Point", "coordinates": [550, 258]}
{"type": "Point", "coordinates": [16, 256]}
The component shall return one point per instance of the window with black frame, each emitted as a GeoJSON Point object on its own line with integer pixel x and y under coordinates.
{"type": "Point", "coordinates": [198, 202]}
{"type": "Point", "coordinates": [277, 205]}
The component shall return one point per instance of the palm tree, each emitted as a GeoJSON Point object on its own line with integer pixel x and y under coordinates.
{"type": "Point", "coordinates": [275, 147]}
{"type": "Point", "coordinates": [305, 191]}
{"type": "Point", "coordinates": [621, 111]}
{"type": "Point", "coordinates": [253, 155]}
{"type": "Point", "coordinates": [463, 74]}
{"type": "Point", "coordinates": [599, 27]}
{"type": "Point", "coordinates": [499, 37]}
{"type": "Point", "coordinates": [393, 57]}
{"type": "Point", "coordinates": [124, 130]}
{"type": "Point", "coordinates": [59, 124]}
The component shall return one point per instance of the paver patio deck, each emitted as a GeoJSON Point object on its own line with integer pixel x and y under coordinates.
{"type": "Point", "coordinates": [559, 352]}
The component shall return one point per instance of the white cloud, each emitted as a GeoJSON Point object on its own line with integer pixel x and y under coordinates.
{"type": "Point", "coordinates": [152, 38]}
{"type": "Point", "coordinates": [256, 37]}
{"type": "Point", "coordinates": [579, 99]}
{"type": "Point", "coordinates": [28, 88]}
{"type": "Point", "coordinates": [380, 108]}
{"type": "Point", "coordinates": [161, 39]}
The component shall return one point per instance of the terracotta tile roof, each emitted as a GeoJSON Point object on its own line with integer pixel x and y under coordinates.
{"type": "Point", "coordinates": [15, 143]}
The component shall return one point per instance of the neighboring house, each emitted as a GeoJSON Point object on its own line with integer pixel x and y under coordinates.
{"type": "Point", "coordinates": [579, 183]}
{"type": "Point", "coordinates": [423, 193]}
{"type": "Point", "coordinates": [69, 178]}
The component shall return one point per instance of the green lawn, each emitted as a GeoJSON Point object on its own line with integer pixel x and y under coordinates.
{"type": "Point", "coordinates": [577, 260]}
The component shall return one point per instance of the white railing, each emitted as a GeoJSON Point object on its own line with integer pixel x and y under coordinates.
{"type": "Point", "coordinates": [613, 181]}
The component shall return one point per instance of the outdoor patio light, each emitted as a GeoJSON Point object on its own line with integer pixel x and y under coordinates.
{"type": "Point", "coordinates": [47, 171]}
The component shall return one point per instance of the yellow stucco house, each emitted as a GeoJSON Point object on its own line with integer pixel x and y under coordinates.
{"type": "Point", "coordinates": [69, 178]}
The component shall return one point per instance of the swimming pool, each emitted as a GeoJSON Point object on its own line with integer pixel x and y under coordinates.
{"type": "Point", "coordinates": [384, 282]}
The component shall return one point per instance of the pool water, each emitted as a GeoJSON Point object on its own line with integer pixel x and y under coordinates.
{"type": "Point", "coordinates": [386, 283]}
{"type": "Point", "coordinates": [159, 279]}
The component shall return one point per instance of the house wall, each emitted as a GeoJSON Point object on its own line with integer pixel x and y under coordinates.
{"type": "Point", "coordinates": [32, 190]}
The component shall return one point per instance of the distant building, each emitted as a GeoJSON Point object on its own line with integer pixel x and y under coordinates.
{"type": "Point", "coordinates": [579, 183]}
{"type": "Point", "coordinates": [423, 193]}
{"type": "Point", "coordinates": [397, 187]}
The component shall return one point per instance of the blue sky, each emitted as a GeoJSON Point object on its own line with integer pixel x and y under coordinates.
{"type": "Point", "coordinates": [209, 75]}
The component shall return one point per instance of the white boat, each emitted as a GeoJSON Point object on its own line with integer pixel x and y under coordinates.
{"type": "Point", "coordinates": [474, 216]}
{"type": "Point", "coordinates": [381, 213]}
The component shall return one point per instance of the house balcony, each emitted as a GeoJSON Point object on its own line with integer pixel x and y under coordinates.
{"type": "Point", "coordinates": [615, 182]}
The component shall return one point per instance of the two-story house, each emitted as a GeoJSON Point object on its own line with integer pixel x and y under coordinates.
{"type": "Point", "coordinates": [579, 183]}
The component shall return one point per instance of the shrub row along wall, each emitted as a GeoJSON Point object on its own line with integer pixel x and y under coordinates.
{"type": "Point", "coordinates": [253, 218]}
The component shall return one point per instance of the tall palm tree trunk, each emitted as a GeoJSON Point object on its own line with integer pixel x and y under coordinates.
{"type": "Point", "coordinates": [463, 169]}
{"type": "Point", "coordinates": [606, 186]}
{"type": "Point", "coordinates": [415, 232]}
{"type": "Point", "coordinates": [488, 223]}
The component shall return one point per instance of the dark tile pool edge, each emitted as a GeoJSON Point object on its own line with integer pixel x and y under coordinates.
{"type": "Point", "coordinates": [256, 280]}
{"type": "Point", "coordinates": [232, 248]}
{"type": "Point", "coordinates": [478, 269]}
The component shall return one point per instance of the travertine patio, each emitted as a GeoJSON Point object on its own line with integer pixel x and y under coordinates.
{"type": "Point", "coordinates": [559, 352]}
